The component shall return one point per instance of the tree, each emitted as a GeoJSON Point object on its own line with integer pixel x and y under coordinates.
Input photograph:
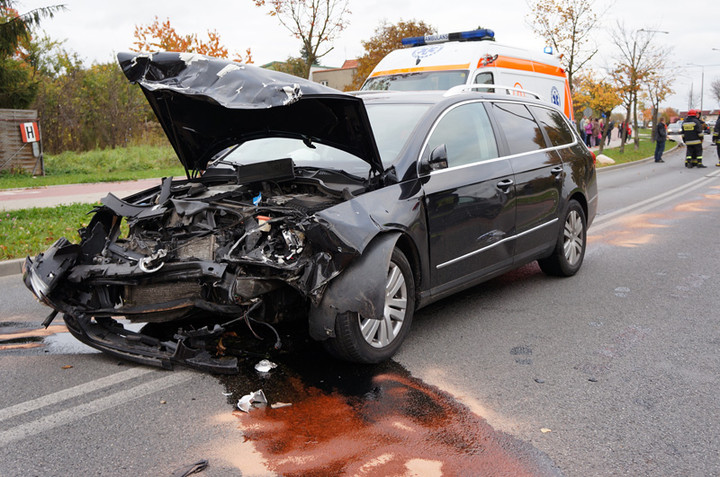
{"type": "Point", "coordinates": [600, 96]}
{"type": "Point", "coordinates": [163, 37]}
{"type": "Point", "coordinates": [386, 39]}
{"type": "Point", "coordinates": [18, 86]}
{"type": "Point", "coordinates": [314, 22]}
{"type": "Point", "coordinates": [639, 59]}
{"type": "Point", "coordinates": [15, 27]}
{"type": "Point", "coordinates": [569, 26]}
{"type": "Point", "coordinates": [291, 66]}
{"type": "Point", "coordinates": [658, 87]}
{"type": "Point", "coordinates": [715, 88]}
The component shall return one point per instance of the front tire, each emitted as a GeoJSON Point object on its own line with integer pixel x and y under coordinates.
{"type": "Point", "coordinates": [567, 257]}
{"type": "Point", "coordinates": [367, 340]}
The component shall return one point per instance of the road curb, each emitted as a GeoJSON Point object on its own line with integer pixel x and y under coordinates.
{"type": "Point", "coordinates": [11, 267]}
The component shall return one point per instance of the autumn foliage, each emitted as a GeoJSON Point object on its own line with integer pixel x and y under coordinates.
{"type": "Point", "coordinates": [386, 39]}
{"type": "Point", "coordinates": [162, 36]}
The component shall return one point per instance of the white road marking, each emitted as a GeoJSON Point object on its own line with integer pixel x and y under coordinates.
{"type": "Point", "coordinates": [65, 394]}
{"type": "Point", "coordinates": [76, 413]}
{"type": "Point", "coordinates": [643, 206]}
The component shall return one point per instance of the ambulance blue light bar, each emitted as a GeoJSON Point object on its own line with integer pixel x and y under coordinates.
{"type": "Point", "coordinates": [484, 34]}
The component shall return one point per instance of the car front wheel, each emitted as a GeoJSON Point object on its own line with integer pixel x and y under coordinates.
{"type": "Point", "coordinates": [569, 250]}
{"type": "Point", "coordinates": [369, 340]}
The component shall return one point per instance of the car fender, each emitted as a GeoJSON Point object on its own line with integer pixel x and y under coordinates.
{"type": "Point", "coordinates": [360, 288]}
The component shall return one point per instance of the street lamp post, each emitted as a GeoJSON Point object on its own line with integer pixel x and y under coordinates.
{"type": "Point", "coordinates": [702, 81]}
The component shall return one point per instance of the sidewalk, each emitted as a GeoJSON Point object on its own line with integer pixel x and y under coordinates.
{"type": "Point", "coordinates": [51, 196]}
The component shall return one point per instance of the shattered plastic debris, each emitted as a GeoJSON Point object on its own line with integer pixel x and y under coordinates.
{"type": "Point", "coordinates": [265, 366]}
{"type": "Point", "coordinates": [246, 402]}
{"type": "Point", "coordinates": [545, 430]}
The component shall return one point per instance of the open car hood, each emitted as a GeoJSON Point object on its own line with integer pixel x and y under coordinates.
{"type": "Point", "coordinates": [206, 104]}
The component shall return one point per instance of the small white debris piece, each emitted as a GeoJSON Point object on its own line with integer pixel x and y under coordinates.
{"type": "Point", "coordinates": [227, 69]}
{"type": "Point", "coordinates": [189, 58]}
{"type": "Point", "coordinates": [265, 366]}
{"type": "Point", "coordinates": [277, 405]}
{"type": "Point", "coordinates": [293, 93]}
{"type": "Point", "coordinates": [246, 402]}
{"type": "Point", "coordinates": [545, 430]}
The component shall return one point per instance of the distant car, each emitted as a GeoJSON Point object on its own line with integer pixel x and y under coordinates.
{"type": "Point", "coordinates": [709, 125]}
{"type": "Point", "coordinates": [674, 130]}
{"type": "Point", "coordinates": [301, 202]}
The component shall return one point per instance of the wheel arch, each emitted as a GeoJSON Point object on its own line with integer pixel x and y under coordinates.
{"type": "Point", "coordinates": [343, 295]}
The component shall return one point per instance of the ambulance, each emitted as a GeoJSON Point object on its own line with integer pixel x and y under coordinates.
{"type": "Point", "coordinates": [441, 62]}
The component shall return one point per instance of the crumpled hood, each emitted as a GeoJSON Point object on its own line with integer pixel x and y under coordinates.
{"type": "Point", "coordinates": [206, 104]}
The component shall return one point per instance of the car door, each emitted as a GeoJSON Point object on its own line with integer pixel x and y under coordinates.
{"type": "Point", "coordinates": [470, 203]}
{"type": "Point", "coordinates": [539, 176]}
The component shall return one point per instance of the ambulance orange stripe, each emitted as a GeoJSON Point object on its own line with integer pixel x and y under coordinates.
{"type": "Point", "coordinates": [421, 69]}
{"type": "Point", "coordinates": [524, 65]}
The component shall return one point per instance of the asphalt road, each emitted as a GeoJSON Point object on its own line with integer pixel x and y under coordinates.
{"type": "Point", "coordinates": [611, 372]}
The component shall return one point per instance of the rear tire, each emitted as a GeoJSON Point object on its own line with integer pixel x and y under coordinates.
{"type": "Point", "coordinates": [567, 257]}
{"type": "Point", "coordinates": [364, 340]}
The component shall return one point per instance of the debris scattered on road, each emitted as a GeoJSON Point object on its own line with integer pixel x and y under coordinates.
{"type": "Point", "coordinates": [593, 380]}
{"type": "Point", "coordinates": [539, 380]}
{"type": "Point", "coordinates": [67, 366]}
{"type": "Point", "coordinates": [198, 466]}
{"type": "Point", "coordinates": [278, 405]}
{"type": "Point", "coordinates": [265, 366]}
{"type": "Point", "coordinates": [545, 430]}
{"type": "Point", "coordinates": [246, 402]}
{"type": "Point", "coordinates": [163, 402]}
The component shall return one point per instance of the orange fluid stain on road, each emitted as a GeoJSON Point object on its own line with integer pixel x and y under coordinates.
{"type": "Point", "coordinates": [34, 333]}
{"type": "Point", "coordinates": [399, 427]}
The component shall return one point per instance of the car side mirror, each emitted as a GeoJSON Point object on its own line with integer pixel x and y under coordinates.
{"type": "Point", "coordinates": [438, 159]}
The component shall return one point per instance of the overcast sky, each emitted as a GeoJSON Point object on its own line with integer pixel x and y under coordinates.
{"type": "Point", "coordinates": [96, 30]}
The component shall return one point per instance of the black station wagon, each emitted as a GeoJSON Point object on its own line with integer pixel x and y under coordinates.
{"type": "Point", "coordinates": [305, 203]}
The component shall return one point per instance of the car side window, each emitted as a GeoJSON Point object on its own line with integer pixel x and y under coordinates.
{"type": "Point", "coordinates": [523, 134]}
{"type": "Point", "coordinates": [485, 78]}
{"type": "Point", "coordinates": [554, 124]}
{"type": "Point", "coordinates": [467, 134]}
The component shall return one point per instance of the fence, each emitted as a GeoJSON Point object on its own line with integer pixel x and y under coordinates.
{"type": "Point", "coordinates": [20, 141]}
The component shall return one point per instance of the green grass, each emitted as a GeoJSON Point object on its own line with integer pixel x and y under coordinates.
{"type": "Point", "coordinates": [102, 165]}
{"type": "Point", "coordinates": [30, 231]}
{"type": "Point", "coordinates": [647, 149]}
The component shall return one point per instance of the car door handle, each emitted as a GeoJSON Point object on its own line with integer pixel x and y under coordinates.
{"type": "Point", "coordinates": [556, 170]}
{"type": "Point", "coordinates": [504, 185]}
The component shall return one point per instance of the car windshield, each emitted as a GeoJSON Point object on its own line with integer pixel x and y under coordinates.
{"type": "Point", "coordinates": [391, 124]}
{"type": "Point", "coordinates": [425, 81]}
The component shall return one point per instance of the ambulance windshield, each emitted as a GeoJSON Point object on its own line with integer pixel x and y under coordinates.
{"type": "Point", "coordinates": [421, 81]}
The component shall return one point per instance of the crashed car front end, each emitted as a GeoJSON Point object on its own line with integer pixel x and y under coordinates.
{"type": "Point", "coordinates": [192, 259]}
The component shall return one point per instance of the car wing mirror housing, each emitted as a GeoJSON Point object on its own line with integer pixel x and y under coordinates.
{"type": "Point", "coordinates": [438, 160]}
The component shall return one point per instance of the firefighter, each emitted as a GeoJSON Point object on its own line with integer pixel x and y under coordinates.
{"type": "Point", "coordinates": [716, 139]}
{"type": "Point", "coordinates": [693, 133]}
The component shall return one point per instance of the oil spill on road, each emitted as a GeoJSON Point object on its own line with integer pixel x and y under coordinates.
{"type": "Point", "coordinates": [349, 419]}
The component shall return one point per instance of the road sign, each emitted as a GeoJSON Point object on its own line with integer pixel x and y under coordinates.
{"type": "Point", "coordinates": [29, 132]}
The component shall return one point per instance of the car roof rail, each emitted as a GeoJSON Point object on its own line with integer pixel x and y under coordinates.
{"type": "Point", "coordinates": [464, 88]}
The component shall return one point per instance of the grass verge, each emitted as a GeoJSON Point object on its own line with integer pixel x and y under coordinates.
{"type": "Point", "coordinates": [102, 165]}
{"type": "Point", "coordinates": [630, 154]}
{"type": "Point", "coordinates": [31, 231]}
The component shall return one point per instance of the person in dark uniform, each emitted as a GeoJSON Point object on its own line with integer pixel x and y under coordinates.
{"type": "Point", "coordinates": [692, 133]}
{"type": "Point", "coordinates": [716, 139]}
{"type": "Point", "coordinates": [660, 138]}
